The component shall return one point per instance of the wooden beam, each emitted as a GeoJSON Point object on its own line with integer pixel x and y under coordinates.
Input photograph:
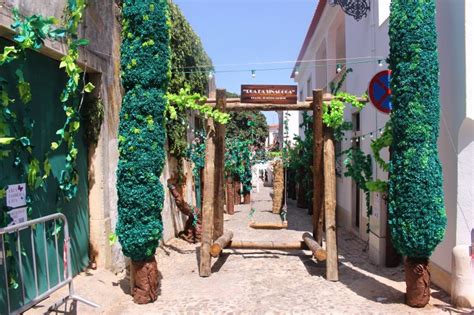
{"type": "Point", "coordinates": [327, 98]}
{"type": "Point", "coordinates": [330, 207]}
{"type": "Point", "coordinates": [208, 200]}
{"type": "Point", "coordinates": [318, 252]}
{"type": "Point", "coordinates": [221, 243]}
{"type": "Point", "coordinates": [229, 100]}
{"type": "Point", "coordinates": [267, 245]}
{"type": "Point", "coordinates": [318, 167]}
{"type": "Point", "coordinates": [269, 225]}
{"type": "Point", "coordinates": [219, 192]}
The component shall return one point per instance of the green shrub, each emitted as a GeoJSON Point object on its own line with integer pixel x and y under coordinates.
{"type": "Point", "coordinates": [416, 209]}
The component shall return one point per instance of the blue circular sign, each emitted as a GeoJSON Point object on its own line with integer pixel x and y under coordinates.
{"type": "Point", "coordinates": [380, 93]}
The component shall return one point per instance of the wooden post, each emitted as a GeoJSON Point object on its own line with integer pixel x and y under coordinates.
{"type": "Point", "coordinates": [237, 197]}
{"type": "Point", "coordinates": [247, 198]}
{"type": "Point", "coordinates": [230, 196]}
{"type": "Point", "coordinates": [219, 193]}
{"type": "Point", "coordinates": [318, 167]}
{"type": "Point", "coordinates": [221, 243]}
{"type": "Point", "coordinates": [330, 206]}
{"type": "Point", "coordinates": [208, 200]}
{"type": "Point", "coordinates": [269, 225]}
{"type": "Point", "coordinates": [318, 252]}
{"type": "Point", "coordinates": [268, 245]}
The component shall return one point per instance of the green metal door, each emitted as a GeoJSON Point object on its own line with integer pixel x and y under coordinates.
{"type": "Point", "coordinates": [46, 114]}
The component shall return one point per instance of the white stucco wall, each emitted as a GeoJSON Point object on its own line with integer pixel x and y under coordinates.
{"type": "Point", "coordinates": [369, 38]}
{"type": "Point", "coordinates": [465, 213]}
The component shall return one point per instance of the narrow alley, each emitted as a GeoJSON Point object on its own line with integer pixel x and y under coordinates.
{"type": "Point", "coordinates": [258, 281]}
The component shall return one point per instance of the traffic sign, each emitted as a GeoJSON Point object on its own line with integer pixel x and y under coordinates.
{"type": "Point", "coordinates": [380, 93]}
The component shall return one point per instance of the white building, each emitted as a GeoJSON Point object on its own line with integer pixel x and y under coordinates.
{"type": "Point", "coordinates": [273, 136]}
{"type": "Point", "coordinates": [337, 38]}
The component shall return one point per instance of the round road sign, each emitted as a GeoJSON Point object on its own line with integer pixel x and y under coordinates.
{"type": "Point", "coordinates": [380, 93]}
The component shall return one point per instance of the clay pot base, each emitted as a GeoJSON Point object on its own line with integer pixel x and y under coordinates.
{"type": "Point", "coordinates": [417, 278]}
{"type": "Point", "coordinates": [146, 281]}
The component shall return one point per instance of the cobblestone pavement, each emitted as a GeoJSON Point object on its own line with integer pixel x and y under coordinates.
{"type": "Point", "coordinates": [260, 282]}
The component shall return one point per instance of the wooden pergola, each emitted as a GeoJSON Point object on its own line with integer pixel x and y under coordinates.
{"type": "Point", "coordinates": [214, 239]}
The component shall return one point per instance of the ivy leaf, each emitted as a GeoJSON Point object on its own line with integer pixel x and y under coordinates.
{"type": "Point", "coordinates": [24, 89]}
{"type": "Point", "coordinates": [13, 284]}
{"type": "Point", "coordinates": [3, 193]}
{"type": "Point", "coordinates": [81, 42]}
{"type": "Point", "coordinates": [54, 145]}
{"type": "Point", "coordinates": [4, 153]}
{"type": "Point", "coordinates": [5, 141]}
{"type": "Point", "coordinates": [25, 141]}
{"type": "Point", "coordinates": [47, 168]}
{"type": "Point", "coordinates": [9, 54]}
{"type": "Point", "coordinates": [89, 87]}
{"type": "Point", "coordinates": [58, 33]}
{"type": "Point", "coordinates": [113, 238]}
{"type": "Point", "coordinates": [75, 125]}
{"type": "Point", "coordinates": [33, 171]}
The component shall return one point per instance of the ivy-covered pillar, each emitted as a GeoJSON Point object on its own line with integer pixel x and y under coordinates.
{"type": "Point", "coordinates": [146, 71]}
{"type": "Point", "coordinates": [416, 209]}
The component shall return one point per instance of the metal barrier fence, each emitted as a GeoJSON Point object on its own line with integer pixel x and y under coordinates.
{"type": "Point", "coordinates": [37, 296]}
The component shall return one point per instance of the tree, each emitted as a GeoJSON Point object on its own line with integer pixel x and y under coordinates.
{"type": "Point", "coordinates": [145, 65]}
{"type": "Point", "coordinates": [416, 208]}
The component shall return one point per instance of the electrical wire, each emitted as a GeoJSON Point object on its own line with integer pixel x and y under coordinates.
{"type": "Point", "coordinates": [341, 60]}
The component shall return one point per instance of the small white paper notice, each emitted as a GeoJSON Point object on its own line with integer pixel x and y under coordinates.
{"type": "Point", "coordinates": [16, 195]}
{"type": "Point", "coordinates": [18, 216]}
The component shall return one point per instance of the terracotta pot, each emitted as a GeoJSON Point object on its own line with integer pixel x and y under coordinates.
{"type": "Point", "coordinates": [417, 278]}
{"type": "Point", "coordinates": [145, 281]}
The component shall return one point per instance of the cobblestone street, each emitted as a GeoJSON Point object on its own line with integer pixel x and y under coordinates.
{"type": "Point", "coordinates": [259, 281]}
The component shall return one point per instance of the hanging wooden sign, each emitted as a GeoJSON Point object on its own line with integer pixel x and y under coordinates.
{"type": "Point", "coordinates": [269, 94]}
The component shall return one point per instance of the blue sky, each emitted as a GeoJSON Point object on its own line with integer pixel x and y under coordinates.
{"type": "Point", "coordinates": [250, 31]}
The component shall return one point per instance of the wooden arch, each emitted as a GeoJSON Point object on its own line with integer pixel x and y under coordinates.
{"type": "Point", "coordinates": [324, 189]}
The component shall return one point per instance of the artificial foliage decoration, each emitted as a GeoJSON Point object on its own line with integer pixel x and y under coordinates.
{"type": "Point", "coordinates": [145, 65]}
{"type": "Point", "coordinates": [417, 215]}
{"type": "Point", "coordinates": [238, 162]}
{"type": "Point", "coordinates": [187, 55]}
{"type": "Point", "coordinates": [31, 32]}
{"type": "Point", "coordinates": [359, 168]}
{"type": "Point", "coordinates": [196, 154]}
{"type": "Point", "coordinates": [17, 124]}
{"type": "Point", "coordinates": [246, 134]}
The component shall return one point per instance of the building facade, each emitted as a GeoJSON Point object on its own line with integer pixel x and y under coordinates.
{"type": "Point", "coordinates": [335, 43]}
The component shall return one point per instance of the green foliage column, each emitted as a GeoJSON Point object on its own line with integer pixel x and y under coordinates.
{"type": "Point", "coordinates": [145, 66]}
{"type": "Point", "coordinates": [416, 209]}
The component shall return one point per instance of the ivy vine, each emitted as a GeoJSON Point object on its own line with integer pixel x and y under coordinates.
{"type": "Point", "coordinates": [15, 135]}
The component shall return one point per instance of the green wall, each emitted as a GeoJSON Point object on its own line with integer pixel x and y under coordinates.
{"type": "Point", "coordinates": [47, 82]}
